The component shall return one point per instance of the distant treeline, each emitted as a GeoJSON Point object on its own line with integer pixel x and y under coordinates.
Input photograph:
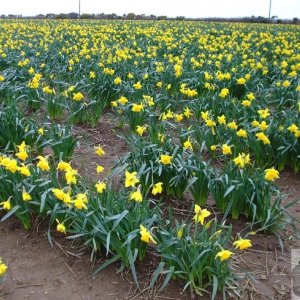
{"type": "Point", "coordinates": [132, 16]}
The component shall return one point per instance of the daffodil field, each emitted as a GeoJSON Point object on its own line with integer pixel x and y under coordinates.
{"type": "Point", "coordinates": [209, 112]}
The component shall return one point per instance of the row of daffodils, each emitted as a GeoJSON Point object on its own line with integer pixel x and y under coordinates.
{"type": "Point", "coordinates": [223, 84]}
{"type": "Point", "coordinates": [130, 221]}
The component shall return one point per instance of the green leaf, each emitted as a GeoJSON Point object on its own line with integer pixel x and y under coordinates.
{"type": "Point", "coordinates": [45, 183]}
{"type": "Point", "coordinates": [293, 202]}
{"type": "Point", "coordinates": [43, 200]}
{"type": "Point", "coordinates": [49, 237]}
{"type": "Point", "coordinates": [198, 257]}
{"type": "Point", "coordinates": [190, 183]}
{"type": "Point", "coordinates": [227, 211]}
{"type": "Point", "coordinates": [11, 212]}
{"type": "Point", "coordinates": [119, 217]}
{"type": "Point", "coordinates": [108, 242]}
{"type": "Point", "coordinates": [106, 264]}
{"type": "Point", "coordinates": [215, 287]}
{"type": "Point", "coordinates": [229, 190]}
{"type": "Point", "coordinates": [132, 259]}
{"type": "Point", "coordinates": [156, 274]}
{"type": "Point", "coordinates": [75, 236]}
{"type": "Point", "coordinates": [168, 277]}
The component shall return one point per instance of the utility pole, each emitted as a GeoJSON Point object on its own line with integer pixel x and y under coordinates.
{"type": "Point", "coordinates": [79, 11]}
{"type": "Point", "coordinates": [270, 6]}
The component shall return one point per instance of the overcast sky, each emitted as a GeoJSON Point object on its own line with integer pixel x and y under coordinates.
{"type": "Point", "coordinates": [171, 8]}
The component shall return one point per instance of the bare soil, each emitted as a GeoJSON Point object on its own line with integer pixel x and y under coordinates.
{"type": "Point", "coordinates": [39, 271]}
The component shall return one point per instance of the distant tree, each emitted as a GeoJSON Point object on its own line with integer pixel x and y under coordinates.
{"type": "Point", "coordinates": [180, 18]}
{"type": "Point", "coordinates": [50, 16]}
{"type": "Point", "coordinates": [131, 16]}
{"type": "Point", "coordinates": [296, 21]}
{"type": "Point", "coordinates": [141, 17]}
{"type": "Point", "coordinates": [87, 16]}
{"type": "Point", "coordinates": [100, 16]}
{"type": "Point", "coordinates": [162, 18]}
{"type": "Point", "coordinates": [72, 15]}
{"type": "Point", "coordinates": [261, 19]}
{"type": "Point", "coordinates": [61, 16]}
